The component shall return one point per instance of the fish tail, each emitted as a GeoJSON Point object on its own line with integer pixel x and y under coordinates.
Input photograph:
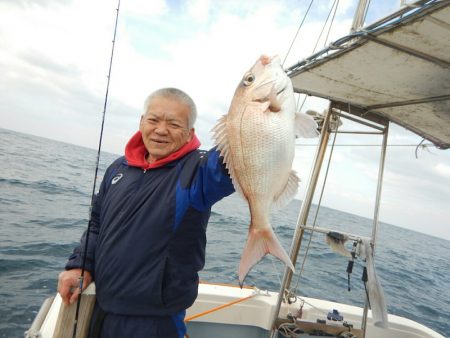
{"type": "Point", "coordinates": [261, 242]}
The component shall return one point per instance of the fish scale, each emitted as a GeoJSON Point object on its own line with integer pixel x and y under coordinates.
{"type": "Point", "coordinates": [262, 152]}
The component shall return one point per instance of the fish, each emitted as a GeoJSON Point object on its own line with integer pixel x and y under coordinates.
{"type": "Point", "coordinates": [257, 141]}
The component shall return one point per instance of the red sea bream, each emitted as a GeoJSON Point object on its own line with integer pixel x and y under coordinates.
{"type": "Point", "coordinates": [257, 140]}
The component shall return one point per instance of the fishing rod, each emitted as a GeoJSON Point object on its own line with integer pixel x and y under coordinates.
{"type": "Point", "coordinates": [83, 266]}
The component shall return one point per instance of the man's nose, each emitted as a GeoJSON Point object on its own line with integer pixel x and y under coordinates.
{"type": "Point", "coordinates": [161, 128]}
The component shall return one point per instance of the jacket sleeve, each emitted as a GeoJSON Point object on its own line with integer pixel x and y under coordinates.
{"type": "Point", "coordinates": [212, 182]}
{"type": "Point", "coordinates": [76, 258]}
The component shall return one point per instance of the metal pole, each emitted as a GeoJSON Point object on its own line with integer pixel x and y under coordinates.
{"type": "Point", "coordinates": [303, 215]}
{"type": "Point", "coordinates": [360, 15]}
{"type": "Point", "coordinates": [376, 214]}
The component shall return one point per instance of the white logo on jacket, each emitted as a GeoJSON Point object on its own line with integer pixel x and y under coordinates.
{"type": "Point", "coordinates": [116, 178]}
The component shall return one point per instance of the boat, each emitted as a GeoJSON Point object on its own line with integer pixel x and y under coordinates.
{"type": "Point", "coordinates": [396, 70]}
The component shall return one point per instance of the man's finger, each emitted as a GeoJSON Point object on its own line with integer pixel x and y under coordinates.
{"type": "Point", "coordinates": [75, 295]}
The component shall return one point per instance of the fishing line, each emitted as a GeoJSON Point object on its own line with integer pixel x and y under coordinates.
{"type": "Point", "coordinates": [83, 266]}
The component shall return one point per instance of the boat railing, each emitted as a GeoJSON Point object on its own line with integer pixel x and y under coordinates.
{"type": "Point", "coordinates": [367, 244]}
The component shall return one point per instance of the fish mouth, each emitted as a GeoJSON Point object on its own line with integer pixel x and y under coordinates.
{"type": "Point", "coordinates": [274, 85]}
{"type": "Point", "coordinates": [267, 98]}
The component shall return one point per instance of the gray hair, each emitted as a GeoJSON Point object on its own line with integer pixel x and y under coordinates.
{"type": "Point", "coordinates": [178, 95]}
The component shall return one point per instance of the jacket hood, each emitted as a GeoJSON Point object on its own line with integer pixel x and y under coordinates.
{"type": "Point", "coordinates": [135, 152]}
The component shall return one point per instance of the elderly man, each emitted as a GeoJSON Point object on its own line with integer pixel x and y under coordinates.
{"type": "Point", "coordinates": [148, 226]}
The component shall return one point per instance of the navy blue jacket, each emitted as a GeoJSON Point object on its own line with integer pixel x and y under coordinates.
{"type": "Point", "coordinates": [148, 233]}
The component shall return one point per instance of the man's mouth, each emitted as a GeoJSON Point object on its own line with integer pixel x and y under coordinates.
{"type": "Point", "coordinates": [159, 141]}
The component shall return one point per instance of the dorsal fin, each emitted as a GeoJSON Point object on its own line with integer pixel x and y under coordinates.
{"type": "Point", "coordinates": [221, 140]}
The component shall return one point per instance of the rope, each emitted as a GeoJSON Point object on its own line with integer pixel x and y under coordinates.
{"type": "Point", "coordinates": [290, 330]}
{"type": "Point", "coordinates": [83, 267]}
{"type": "Point", "coordinates": [298, 30]}
{"type": "Point", "coordinates": [331, 23]}
{"type": "Point", "coordinates": [220, 307]}
{"type": "Point", "coordinates": [318, 39]}
{"type": "Point", "coordinates": [323, 28]}
{"type": "Point", "coordinates": [418, 147]}
{"type": "Point", "coordinates": [298, 101]}
{"type": "Point", "coordinates": [317, 209]}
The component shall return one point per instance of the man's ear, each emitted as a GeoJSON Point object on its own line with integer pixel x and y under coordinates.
{"type": "Point", "coordinates": [140, 122]}
{"type": "Point", "coordinates": [191, 135]}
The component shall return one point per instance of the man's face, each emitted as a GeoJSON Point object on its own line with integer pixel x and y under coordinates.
{"type": "Point", "coordinates": [165, 127]}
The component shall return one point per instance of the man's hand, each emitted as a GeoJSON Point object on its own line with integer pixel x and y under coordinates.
{"type": "Point", "coordinates": [69, 284]}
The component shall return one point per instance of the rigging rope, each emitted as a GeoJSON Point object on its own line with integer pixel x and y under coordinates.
{"type": "Point", "coordinates": [83, 267]}
{"type": "Point", "coordinates": [298, 30]}
{"type": "Point", "coordinates": [418, 147]}
{"type": "Point", "coordinates": [304, 100]}
{"type": "Point", "coordinates": [318, 207]}
{"type": "Point", "coordinates": [331, 23]}
{"type": "Point", "coordinates": [336, 2]}
{"type": "Point", "coordinates": [324, 25]}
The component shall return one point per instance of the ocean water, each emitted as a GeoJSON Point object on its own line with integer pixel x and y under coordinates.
{"type": "Point", "coordinates": [45, 189]}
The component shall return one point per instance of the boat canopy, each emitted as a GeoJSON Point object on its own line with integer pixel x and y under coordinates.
{"type": "Point", "coordinates": [397, 69]}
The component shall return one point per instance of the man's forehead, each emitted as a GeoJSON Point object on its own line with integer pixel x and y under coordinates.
{"type": "Point", "coordinates": [166, 115]}
{"type": "Point", "coordinates": [167, 105]}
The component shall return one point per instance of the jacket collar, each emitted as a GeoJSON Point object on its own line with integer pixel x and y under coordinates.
{"type": "Point", "coordinates": [135, 152]}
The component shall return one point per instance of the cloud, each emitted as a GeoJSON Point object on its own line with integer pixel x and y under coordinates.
{"type": "Point", "coordinates": [144, 9]}
{"type": "Point", "coordinates": [443, 170]}
{"type": "Point", "coordinates": [199, 10]}
{"type": "Point", "coordinates": [58, 52]}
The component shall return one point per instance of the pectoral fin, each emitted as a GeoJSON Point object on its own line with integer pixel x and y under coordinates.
{"type": "Point", "coordinates": [288, 193]}
{"type": "Point", "coordinates": [305, 126]}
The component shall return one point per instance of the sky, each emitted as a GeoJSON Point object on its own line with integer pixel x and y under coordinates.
{"type": "Point", "coordinates": [54, 61]}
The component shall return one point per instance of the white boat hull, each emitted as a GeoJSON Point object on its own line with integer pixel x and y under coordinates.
{"type": "Point", "coordinates": [252, 317]}
{"type": "Point", "coordinates": [251, 314]}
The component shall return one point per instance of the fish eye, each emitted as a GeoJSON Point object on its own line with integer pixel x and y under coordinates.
{"type": "Point", "coordinates": [248, 79]}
